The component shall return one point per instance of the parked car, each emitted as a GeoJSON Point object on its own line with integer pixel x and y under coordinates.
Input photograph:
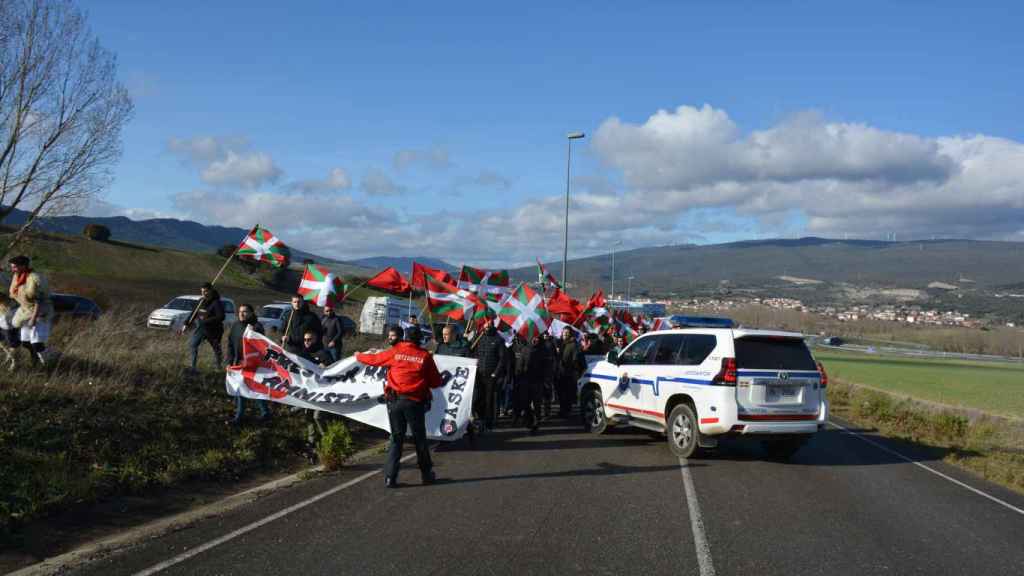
{"type": "Point", "coordinates": [274, 316]}
{"type": "Point", "coordinates": [708, 379]}
{"type": "Point", "coordinates": [174, 314]}
{"type": "Point", "coordinates": [72, 306]}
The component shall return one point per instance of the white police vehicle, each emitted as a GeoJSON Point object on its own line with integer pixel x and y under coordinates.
{"type": "Point", "coordinates": [706, 378]}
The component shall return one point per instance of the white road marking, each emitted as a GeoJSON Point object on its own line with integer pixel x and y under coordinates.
{"type": "Point", "coordinates": [700, 539]}
{"type": "Point", "coordinates": [930, 469]}
{"type": "Point", "coordinates": [250, 527]}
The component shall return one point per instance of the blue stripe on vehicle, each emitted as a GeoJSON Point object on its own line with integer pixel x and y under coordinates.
{"type": "Point", "coordinates": [600, 376]}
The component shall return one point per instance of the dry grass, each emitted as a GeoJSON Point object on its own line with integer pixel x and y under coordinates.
{"type": "Point", "coordinates": [988, 446]}
{"type": "Point", "coordinates": [116, 415]}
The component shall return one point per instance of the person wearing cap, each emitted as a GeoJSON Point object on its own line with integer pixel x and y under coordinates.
{"type": "Point", "coordinates": [412, 375]}
{"type": "Point", "coordinates": [34, 315]}
{"type": "Point", "coordinates": [209, 324]}
{"type": "Point", "coordinates": [333, 331]}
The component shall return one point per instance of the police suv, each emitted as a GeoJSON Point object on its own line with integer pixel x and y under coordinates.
{"type": "Point", "coordinates": [705, 378]}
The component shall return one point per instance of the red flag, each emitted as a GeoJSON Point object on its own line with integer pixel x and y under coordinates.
{"type": "Point", "coordinates": [419, 271]}
{"type": "Point", "coordinates": [390, 280]}
{"type": "Point", "coordinates": [566, 307]}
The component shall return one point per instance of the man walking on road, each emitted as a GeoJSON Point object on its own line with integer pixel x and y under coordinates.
{"type": "Point", "coordinates": [571, 366]}
{"type": "Point", "coordinates": [412, 375]}
{"type": "Point", "coordinates": [490, 355]}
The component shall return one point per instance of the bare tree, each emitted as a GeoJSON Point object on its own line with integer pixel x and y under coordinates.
{"type": "Point", "coordinates": [61, 111]}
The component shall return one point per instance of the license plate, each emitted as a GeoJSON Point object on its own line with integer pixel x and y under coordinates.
{"type": "Point", "coordinates": [160, 322]}
{"type": "Point", "coordinates": [782, 393]}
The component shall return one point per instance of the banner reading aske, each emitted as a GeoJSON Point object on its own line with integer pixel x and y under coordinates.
{"type": "Point", "coordinates": [347, 387]}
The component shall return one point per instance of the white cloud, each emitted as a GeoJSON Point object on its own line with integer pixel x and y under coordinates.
{"type": "Point", "coordinates": [689, 175]}
{"type": "Point", "coordinates": [377, 183]}
{"type": "Point", "coordinates": [226, 161]}
{"type": "Point", "coordinates": [841, 177]}
{"type": "Point", "coordinates": [337, 179]}
{"type": "Point", "coordinates": [435, 158]}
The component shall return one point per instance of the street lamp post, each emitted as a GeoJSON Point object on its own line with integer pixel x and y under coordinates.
{"type": "Point", "coordinates": [565, 233]}
{"type": "Point", "coordinates": [629, 289]}
{"type": "Point", "coordinates": [611, 294]}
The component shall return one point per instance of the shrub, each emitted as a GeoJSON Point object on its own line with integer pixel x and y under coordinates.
{"type": "Point", "coordinates": [97, 232]}
{"type": "Point", "coordinates": [335, 446]}
{"type": "Point", "coordinates": [226, 250]}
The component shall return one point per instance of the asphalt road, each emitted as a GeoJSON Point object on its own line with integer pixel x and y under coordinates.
{"type": "Point", "coordinates": [566, 502]}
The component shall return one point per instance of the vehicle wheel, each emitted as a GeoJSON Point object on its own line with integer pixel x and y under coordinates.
{"type": "Point", "coordinates": [682, 431]}
{"type": "Point", "coordinates": [592, 412]}
{"type": "Point", "coordinates": [783, 448]}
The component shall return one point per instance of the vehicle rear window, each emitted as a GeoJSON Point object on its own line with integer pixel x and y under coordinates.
{"type": "Point", "coordinates": [271, 312]}
{"type": "Point", "coordinates": [773, 354]}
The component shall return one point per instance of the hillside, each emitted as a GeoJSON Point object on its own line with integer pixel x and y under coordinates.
{"type": "Point", "coordinates": [163, 232]}
{"type": "Point", "coordinates": [403, 264]}
{"type": "Point", "coordinates": [117, 274]}
{"type": "Point", "coordinates": [964, 263]}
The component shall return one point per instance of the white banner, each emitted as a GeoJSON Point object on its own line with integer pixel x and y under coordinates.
{"type": "Point", "coordinates": [347, 387]}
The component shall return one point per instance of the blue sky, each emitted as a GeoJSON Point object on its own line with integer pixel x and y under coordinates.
{"type": "Point", "coordinates": [360, 129]}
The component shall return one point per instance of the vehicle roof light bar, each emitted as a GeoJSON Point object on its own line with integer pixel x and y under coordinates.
{"type": "Point", "coordinates": [679, 321]}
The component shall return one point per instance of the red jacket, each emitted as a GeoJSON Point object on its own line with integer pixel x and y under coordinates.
{"type": "Point", "coordinates": [411, 369]}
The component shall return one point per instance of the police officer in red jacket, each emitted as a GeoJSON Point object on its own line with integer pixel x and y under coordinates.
{"type": "Point", "coordinates": [411, 376]}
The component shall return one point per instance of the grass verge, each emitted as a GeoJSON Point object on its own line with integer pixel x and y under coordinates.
{"type": "Point", "coordinates": [989, 446]}
{"type": "Point", "coordinates": [116, 416]}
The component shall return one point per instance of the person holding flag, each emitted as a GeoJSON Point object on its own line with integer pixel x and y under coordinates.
{"type": "Point", "coordinates": [300, 320]}
{"type": "Point", "coordinates": [209, 324]}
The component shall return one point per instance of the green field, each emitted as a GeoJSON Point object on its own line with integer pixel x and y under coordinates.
{"type": "Point", "coordinates": [993, 387]}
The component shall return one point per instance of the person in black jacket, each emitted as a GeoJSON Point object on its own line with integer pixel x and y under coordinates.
{"type": "Point", "coordinates": [300, 320]}
{"type": "Point", "coordinates": [451, 343]}
{"type": "Point", "coordinates": [333, 331]}
{"type": "Point", "coordinates": [490, 355]}
{"type": "Point", "coordinates": [246, 319]}
{"type": "Point", "coordinates": [571, 366]}
{"type": "Point", "coordinates": [209, 324]}
{"type": "Point", "coordinates": [316, 424]}
{"type": "Point", "coordinates": [534, 364]}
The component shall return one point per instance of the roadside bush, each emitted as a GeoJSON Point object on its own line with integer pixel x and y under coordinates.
{"type": "Point", "coordinates": [97, 232]}
{"type": "Point", "coordinates": [336, 446]}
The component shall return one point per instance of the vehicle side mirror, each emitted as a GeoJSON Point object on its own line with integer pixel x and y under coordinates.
{"type": "Point", "coordinates": [612, 356]}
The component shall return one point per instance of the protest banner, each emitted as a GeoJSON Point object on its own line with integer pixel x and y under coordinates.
{"type": "Point", "coordinates": [347, 388]}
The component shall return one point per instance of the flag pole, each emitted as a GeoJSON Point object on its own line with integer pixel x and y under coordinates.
{"type": "Point", "coordinates": [195, 310]}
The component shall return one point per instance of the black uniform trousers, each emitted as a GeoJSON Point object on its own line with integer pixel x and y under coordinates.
{"type": "Point", "coordinates": [404, 412]}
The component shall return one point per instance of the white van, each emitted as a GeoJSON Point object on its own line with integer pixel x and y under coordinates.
{"type": "Point", "coordinates": [708, 379]}
{"type": "Point", "coordinates": [379, 312]}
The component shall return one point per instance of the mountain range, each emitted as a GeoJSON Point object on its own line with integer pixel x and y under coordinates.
{"type": "Point", "coordinates": [782, 265]}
